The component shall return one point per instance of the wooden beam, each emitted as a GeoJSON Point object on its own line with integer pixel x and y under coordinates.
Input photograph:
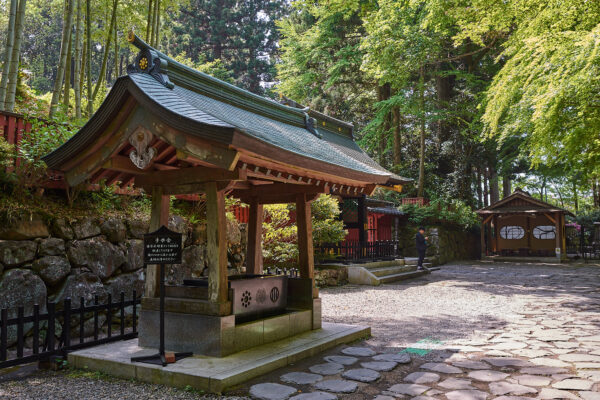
{"type": "Point", "coordinates": [306, 258]}
{"type": "Point", "coordinates": [192, 188]}
{"type": "Point", "coordinates": [550, 218]}
{"type": "Point", "coordinates": [254, 260]}
{"type": "Point", "coordinates": [482, 234]}
{"type": "Point", "coordinates": [216, 244]}
{"type": "Point", "coordinates": [283, 188]}
{"type": "Point", "coordinates": [191, 175]}
{"type": "Point", "coordinates": [158, 217]}
{"type": "Point", "coordinates": [558, 232]}
{"type": "Point", "coordinates": [274, 199]}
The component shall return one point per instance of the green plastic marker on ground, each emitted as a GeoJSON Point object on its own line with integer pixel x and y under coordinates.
{"type": "Point", "coordinates": [423, 346]}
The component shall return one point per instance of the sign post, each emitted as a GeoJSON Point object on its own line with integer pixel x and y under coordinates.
{"type": "Point", "coordinates": [162, 247]}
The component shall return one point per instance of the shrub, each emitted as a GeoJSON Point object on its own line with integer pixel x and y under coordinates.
{"type": "Point", "coordinates": [439, 211]}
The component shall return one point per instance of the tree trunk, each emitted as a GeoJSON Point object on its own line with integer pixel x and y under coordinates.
{"type": "Point", "coordinates": [157, 34]}
{"type": "Point", "coordinates": [485, 187]}
{"type": "Point", "coordinates": [397, 137]}
{"type": "Point", "coordinates": [88, 64]}
{"type": "Point", "coordinates": [116, 54]}
{"type": "Point", "coordinates": [420, 190]}
{"type": "Point", "coordinates": [575, 196]}
{"type": "Point", "coordinates": [62, 61]}
{"type": "Point", "coordinates": [10, 39]}
{"type": "Point", "coordinates": [109, 35]}
{"type": "Point", "coordinates": [13, 72]}
{"type": "Point", "coordinates": [149, 23]}
{"type": "Point", "coordinates": [77, 77]}
{"type": "Point", "coordinates": [155, 18]}
{"type": "Point", "coordinates": [596, 193]}
{"type": "Point", "coordinates": [67, 93]}
{"type": "Point", "coordinates": [494, 186]}
{"type": "Point", "coordinates": [479, 191]}
{"type": "Point", "coordinates": [506, 186]}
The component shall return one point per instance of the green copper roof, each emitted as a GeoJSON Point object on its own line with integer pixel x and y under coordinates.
{"type": "Point", "coordinates": [200, 104]}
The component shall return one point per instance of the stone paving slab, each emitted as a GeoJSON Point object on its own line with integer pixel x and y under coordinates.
{"type": "Point", "coordinates": [213, 374]}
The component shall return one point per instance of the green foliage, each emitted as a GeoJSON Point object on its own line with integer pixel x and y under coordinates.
{"type": "Point", "coordinates": [452, 212]}
{"type": "Point", "coordinates": [280, 236]}
{"type": "Point", "coordinates": [327, 228]}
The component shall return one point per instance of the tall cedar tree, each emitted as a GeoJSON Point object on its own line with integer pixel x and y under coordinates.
{"type": "Point", "coordinates": [240, 33]}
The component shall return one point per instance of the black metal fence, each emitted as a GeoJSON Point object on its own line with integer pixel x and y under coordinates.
{"type": "Point", "coordinates": [358, 252]}
{"type": "Point", "coordinates": [582, 243]}
{"type": "Point", "coordinates": [72, 319]}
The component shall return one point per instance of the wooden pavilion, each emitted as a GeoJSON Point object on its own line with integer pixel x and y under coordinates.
{"type": "Point", "coordinates": [169, 130]}
{"type": "Point", "coordinates": [520, 225]}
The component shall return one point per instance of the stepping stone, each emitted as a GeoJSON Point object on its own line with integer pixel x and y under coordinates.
{"type": "Point", "coordinates": [579, 358]}
{"type": "Point", "coordinates": [500, 388]}
{"type": "Point", "coordinates": [344, 360]}
{"type": "Point", "coordinates": [574, 384]}
{"type": "Point", "coordinates": [590, 395]}
{"type": "Point", "coordinates": [337, 386]}
{"type": "Point", "coordinates": [529, 353]}
{"type": "Point", "coordinates": [327, 368]}
{"type": "Point", "coordinates": [487, 375]}
{"type": "Point", "coordinates": [512, 398]}
{"type": "Point", "coordinates": [587, 365]}
{"type": "Point", "coordinates": [532, 380]}
{"type": "Point", "coordinates": [409, 389]}
{"type": "Point", "coordinates": [456, 384]}
{"type": "Point", "coordinates": [301, 378]}
{"type": "Point", "coordinates": [497, 353]}
{"type": "Point", "coordinates": [595, 338]}
{"type": "Point", "coordinates": [466, 395]}
{"type": "Point", "coordinates": [550, 362]}
{"type": "Point", "coordinates": [379, 365]}
{"type": "Point", "coordinates": [384, 397]}
{"type": "Point", "coordinates": [315, 396]}
{"type": "Point", "coordinates": [471, 364]}
{"type": "Point", "coordinates": [423, 398]}
{"type": "Point", "coordinates": [422, 377]}
{"type": "Point", "coordinates": [362, 375]}
{"type": "Point", "coordinates": [508, 346]}
{"type": "Point", "coordinates": [359, 351]}
{"type": "Point", "coordinates": [400, 358]}
{"type": "Point", "coordinates": [543, 370]}
{"type": "Point", "coordinates": [271, 391]}
{"type": "Point", "coordinates": [566, 345]}
{"type": "Point", "coordinates": [442, 368]}
{"type": "Point", "coordinates": [507, 362]}
{"type": "Point", "coordinates": [548, 393]}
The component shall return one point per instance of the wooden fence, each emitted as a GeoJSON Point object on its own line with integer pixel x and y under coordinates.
{"type": "Point", "coordinates": [71, 317]}
{"type": "Point", "coordinates": [357, 252]}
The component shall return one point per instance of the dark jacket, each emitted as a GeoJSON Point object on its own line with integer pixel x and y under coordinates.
{"type": "Point", "coordinates": [420, 242]}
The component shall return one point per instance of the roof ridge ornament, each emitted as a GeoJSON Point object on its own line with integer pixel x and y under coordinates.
{"type": "Point", "coordinates": [149, 62]}
{"type": "Point", "coordinates": [310, 123]}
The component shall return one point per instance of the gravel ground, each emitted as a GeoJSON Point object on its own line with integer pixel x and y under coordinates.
{"type": "Point", "coordinates": [448, 304]}
{"type": "Point", "coordinates": [461, 301]}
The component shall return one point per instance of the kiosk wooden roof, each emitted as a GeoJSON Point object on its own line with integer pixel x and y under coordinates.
{"type": "Point", "coordinates": [171, 130]}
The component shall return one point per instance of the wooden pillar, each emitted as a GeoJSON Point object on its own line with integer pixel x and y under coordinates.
{"type": "Point", "coordinates": [159, 216]}
{"type": "Point", "coordinates": [495, 234]}
{"type": "Point", "coordinates": [362, 220]}
{"type": "Point", "coordinates": [483, 248]}
{"type": "Point", "coordinates": [558, 236]}
{"type": "Point", "coordinates": [254, 260]}
{"type": "Point", "coordinates": [216, 243]}
{"type": "Point", "coordinates": [305, 238]}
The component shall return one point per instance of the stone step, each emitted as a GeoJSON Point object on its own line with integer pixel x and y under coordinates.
{"type": "Point", "coordinates": [391, 270]}
{"type": "Point", "coordinates": [402, 276]}
{"type": "Point", "coordinates": [414, 260]}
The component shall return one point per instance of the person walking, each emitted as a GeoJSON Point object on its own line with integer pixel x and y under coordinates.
{"type": "Point", "coordinates": [421, 244]}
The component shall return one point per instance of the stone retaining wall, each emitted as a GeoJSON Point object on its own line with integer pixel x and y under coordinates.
{"type": "Point", "coordinates": [446, 243]}
{"type": "Point", "coordinates": [53, 259]}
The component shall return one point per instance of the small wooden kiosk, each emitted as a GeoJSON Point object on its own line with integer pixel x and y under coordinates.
{"type": "Point", "coordinates": [170, 130]}
{"type": "Point", "coordinates": [520, 225]}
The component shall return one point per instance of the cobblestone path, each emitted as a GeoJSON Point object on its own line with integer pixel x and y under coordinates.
{"type": "Point", "coordinates": [470, 331]}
